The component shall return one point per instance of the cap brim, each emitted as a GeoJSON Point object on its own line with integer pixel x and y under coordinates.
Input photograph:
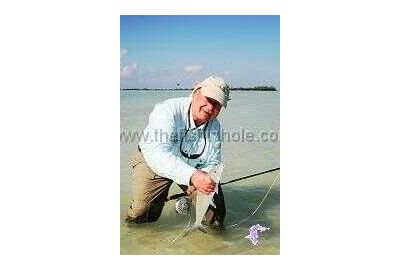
{"type": "Point", "coordinates": [214, 93]}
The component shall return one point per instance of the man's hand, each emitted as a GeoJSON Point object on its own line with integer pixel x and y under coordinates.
{"type": "Point", "coordinates": [203, 182]}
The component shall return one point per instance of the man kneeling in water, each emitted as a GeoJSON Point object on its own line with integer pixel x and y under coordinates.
{"type": "Point", "coordinates": [183, 144]}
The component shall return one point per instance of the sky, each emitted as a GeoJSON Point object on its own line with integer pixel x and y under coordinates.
{"type": "Point", "coordinates": [177, 51]}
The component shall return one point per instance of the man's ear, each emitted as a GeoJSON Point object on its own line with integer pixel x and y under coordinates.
{"type": "Point", "coordinates": [195, 91]}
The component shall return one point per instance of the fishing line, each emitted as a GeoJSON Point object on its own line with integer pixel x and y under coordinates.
{"type": "Point", "coordinates": [184, 230]}
{"type": "Point", "coordinates": [266, 195]}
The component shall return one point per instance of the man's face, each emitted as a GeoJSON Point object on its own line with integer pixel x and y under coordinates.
{"type": "Point", "coordinates": [204, 108]}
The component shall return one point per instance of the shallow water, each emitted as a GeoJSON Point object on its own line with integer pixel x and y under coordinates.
{"type": "Point", "coordinates": [254, 112]}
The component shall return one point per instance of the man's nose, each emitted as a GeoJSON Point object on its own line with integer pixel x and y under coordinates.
{"type": "Point", "coordinates": [210, 106]}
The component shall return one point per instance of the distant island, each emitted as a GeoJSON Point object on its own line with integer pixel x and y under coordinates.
{"type": "Point", "coordinates": [256, 88]}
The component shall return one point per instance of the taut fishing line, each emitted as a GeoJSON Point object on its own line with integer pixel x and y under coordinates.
{"type": "Point", "coordinates": [187, 227]}
{"type": "Point", "coordinates": [263, 199]}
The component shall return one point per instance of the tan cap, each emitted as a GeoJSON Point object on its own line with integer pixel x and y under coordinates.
{"type": "Point", "coordinates": [215, 88]}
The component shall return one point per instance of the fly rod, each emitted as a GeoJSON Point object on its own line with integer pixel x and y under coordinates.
{"type": "Point", "coordinates": [176, 196]}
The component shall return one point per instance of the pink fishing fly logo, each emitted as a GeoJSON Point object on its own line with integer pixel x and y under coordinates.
{"type": "Point", "coordinates": [199, 135]}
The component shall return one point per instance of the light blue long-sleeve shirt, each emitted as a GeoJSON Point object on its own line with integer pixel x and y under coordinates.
{"type": "Point", "coordinates": [162, 137]}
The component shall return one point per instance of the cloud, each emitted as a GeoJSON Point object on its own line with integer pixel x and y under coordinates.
{"type": "Point", "coordinates": [192, 69]}
{"type": "Point", "coordinates": [226, 72]}
{"type": "Point", "coordinates": [123, 53]}
{"type": "Point", "coordinates": [160, 73]}
{"type": "Point", "coordinates": [128, 70]}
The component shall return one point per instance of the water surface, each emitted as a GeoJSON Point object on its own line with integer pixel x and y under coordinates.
{"type": "Point", "coordinates": [254, 112]}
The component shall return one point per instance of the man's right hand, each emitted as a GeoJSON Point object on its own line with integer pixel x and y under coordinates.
{"type": "Point", "coordinates": [203, 182]}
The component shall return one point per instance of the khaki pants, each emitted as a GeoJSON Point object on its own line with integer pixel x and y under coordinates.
{"type": "Point", "coordinates": [150, 192]}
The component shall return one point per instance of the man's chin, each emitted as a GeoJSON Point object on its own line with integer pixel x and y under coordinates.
{"type": "Point", "coordinates": [206, 118]}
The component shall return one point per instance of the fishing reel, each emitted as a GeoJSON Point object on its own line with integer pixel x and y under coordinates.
{"type": "Point", "coordinates": [182, 205]}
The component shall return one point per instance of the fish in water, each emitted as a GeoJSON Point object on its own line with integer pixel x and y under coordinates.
{"type": "Point", "coordinates": [203, 201]}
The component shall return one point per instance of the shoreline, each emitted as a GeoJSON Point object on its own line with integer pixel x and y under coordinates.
{"type": "Point", "coordinates": [232, 89]}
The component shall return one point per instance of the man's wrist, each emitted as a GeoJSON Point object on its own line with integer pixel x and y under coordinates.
{"type": "Point", "coordinates": [192, 178]}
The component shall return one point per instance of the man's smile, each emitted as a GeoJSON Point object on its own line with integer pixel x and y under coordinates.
{"type": "Point", "coordinates": [207, 112]}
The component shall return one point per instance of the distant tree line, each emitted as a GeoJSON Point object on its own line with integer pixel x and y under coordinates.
{"type": "Point", "coordinates": [152, 89]}
{"type": "Point", "coordinates": [256, 88]}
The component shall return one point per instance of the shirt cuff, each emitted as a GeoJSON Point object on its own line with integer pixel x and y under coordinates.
{"type": "Point", "coordinates": [185, 174]}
